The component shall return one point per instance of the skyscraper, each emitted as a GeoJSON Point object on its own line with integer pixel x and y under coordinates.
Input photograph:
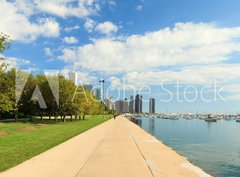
{"type": "Point", "coordinates": [97, 92]}
{"type": "Point", "coordinates": [138, 103]}
{"type": "Point", "coordinates": [151, 105]}
{"type": "Point", "coordinates": [73, 77]}
{"type": "Point", "coordinates": [125, 106]}
{"type": "Point", "coordinates": [131, 105]}
{"type": "Point", "coordinates": [109, 103]}
{"type": "Point", "coordinates": [121, 106]}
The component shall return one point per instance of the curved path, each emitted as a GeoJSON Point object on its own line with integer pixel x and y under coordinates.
{"type": "Point", "coordinates": [116, 148]}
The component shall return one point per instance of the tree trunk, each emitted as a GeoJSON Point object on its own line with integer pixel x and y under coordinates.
{"type": "Point", "coordinates": [16, 116]}
{"type": "Point", "coordinates": [41, 116]}
{"type": "Point", "coordinates": [55, 118]}
{"type": "Point", "coordinates": [83, 116]}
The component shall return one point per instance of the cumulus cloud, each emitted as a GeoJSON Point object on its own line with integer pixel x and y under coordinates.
{"type": "Point", "coordinates": [106, 28]}
{"type": "Point", "coordinates": [65, 8]}
{"type": "Point", "coordinates": [184, 45]}
{"type": "Point", "coordinates": [69, 55]}
{"type": "Point", "coordinates": [14, 62]}
{"type": "Point", "coordinates": [14, 20]}
{"type": "Point", "coordinates": [89, 25]}
{"type": "Point", "coordinates": [71, 28]}
{"type": "Point", "coordinates": [235, 97]}
{"type": "Point", "coordinates": [19, 18]}
{"type": "Point", "coordinates": [201, 75]}
{"type": "Point", "coordinates": [70, 40]}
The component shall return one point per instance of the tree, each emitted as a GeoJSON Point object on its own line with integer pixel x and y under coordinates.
{"type": "Point", "coordinates": [6, 86]}
{"type": "Point", "coordinates": [5, 42]}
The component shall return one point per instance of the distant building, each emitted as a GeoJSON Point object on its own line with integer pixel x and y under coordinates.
{"type": "Point", "coordinates": [109, 104]}
{"type": "Point", "coordinates": [73, 77]}
{"type": "Point", "coordinates": [125, 106]}
{"type": "Point", "coordinates": [131, 105]}
{"type": "Point", "coordinates": [121, 106]}
{"type": "Point", "coordinates": [151, 106]}
{"type": "Point", "coordinates": [97, 92]}
{"type": "Point", "coordinates": [138, 103]}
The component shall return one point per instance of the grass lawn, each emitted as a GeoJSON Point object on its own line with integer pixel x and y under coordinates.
{"type": "Point", "coordinates": [22, 140]}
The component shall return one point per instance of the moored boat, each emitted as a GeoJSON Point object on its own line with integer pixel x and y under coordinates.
{"type": "Point", "coordinates": [210, 118]}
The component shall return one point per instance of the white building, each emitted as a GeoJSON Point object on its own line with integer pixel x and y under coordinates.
{"type": "Point", "coordinates": [73, 76]}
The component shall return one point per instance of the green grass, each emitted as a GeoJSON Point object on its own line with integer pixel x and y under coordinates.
{"type": "Point", "coordinates": [19, 145]}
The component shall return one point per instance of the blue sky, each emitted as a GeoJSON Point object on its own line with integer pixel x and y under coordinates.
{"type": "Point", "coordinates": [136, 42]}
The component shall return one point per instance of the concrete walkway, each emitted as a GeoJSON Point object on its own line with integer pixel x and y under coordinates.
{"type": "Point", "coordinates": [116, 148]}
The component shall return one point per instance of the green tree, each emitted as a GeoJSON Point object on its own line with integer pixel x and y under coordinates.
{"type": "Point", "coordinates": [6, 86]}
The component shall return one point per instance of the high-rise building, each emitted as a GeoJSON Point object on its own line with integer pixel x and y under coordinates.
{"type": "Point", "coordinates": [73, 77]}
{"type": "Point", "coordinates": [109, 104]}
{"type": "Point", "coordinates": [125, 106]}
{"type": "Point", "coordinates": [151, 105]}
{"type": "Point", "coordinates": [131, 105]}
{"type": "Point", "coordinates": [138, 103]}
{"type": "Point", "coordinates": [97, 92]}
{"type": "Point", "coordinates": [121, 106]}
{"type": "Point", "coordinates": [118, 106]}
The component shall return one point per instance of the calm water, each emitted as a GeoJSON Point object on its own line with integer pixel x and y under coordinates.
{"type": "Point", "coordinates": [215, 146]}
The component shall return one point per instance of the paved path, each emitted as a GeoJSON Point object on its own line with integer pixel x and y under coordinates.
{"type": "Point", "coordinates": [116, 148]}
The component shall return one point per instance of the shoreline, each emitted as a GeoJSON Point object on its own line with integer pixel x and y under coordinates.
{"type": "Point", "coordinates": [187, 164]}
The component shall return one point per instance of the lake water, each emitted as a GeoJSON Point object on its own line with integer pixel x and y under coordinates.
{"type": "Point", "coordinates": [213, 146]}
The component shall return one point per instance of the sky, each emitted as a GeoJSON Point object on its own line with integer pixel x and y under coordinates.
{"type": "Point", "coordinates": [184, 53]}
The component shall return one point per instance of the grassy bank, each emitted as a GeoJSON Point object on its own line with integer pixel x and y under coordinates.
{"type": "Point", "coordinates": [22, 140]}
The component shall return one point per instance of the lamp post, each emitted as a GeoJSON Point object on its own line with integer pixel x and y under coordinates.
{"type": "Point", "coordinates": [102, 82]}
{"type": "Point", "coordinates": [103, 96]}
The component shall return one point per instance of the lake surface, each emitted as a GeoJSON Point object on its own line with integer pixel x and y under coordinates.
{"type": "Point", "coordinates": [213, 146]}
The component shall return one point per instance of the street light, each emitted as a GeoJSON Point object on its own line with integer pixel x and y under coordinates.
{"type": "Point", "coordinates": [102, 82]}
{"type": "Point", "coordinates": [103, 96]}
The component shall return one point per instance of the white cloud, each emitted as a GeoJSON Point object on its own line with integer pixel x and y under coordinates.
{"type": "Point", "coordinates": [232, 88]}
{"type": "Point", "coordinates": [14, 20]}
{"type": "Point", "coordinates": [48, 51]}
{"type": "Point", "coordinates": [69, 55]}
{"type": "Point", "coordinates": [89, 25]}
{"type": "Point", "coordinates": [200, 75]}
{"type": "Point", "coordinates": [19, 18]}
{"type": "Point", "coordinates": [86, 78]}
{"type": "Point", "coordinates": [235, 97]}
{"type": "Point", "coordinates": [139, 7]}
{"type": "Point", "coordinates": [65, 8]}
{"type": "Point", "coordinates": [71, 28]}
{"type": "Point", "coordinates": [14, 62]}
{"type": "Point", "coordinates": [185, 45]}
{"type": "Point", "coordinates": [106, 28]}
{"type": "Point", "coordinates": [70, 40]}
